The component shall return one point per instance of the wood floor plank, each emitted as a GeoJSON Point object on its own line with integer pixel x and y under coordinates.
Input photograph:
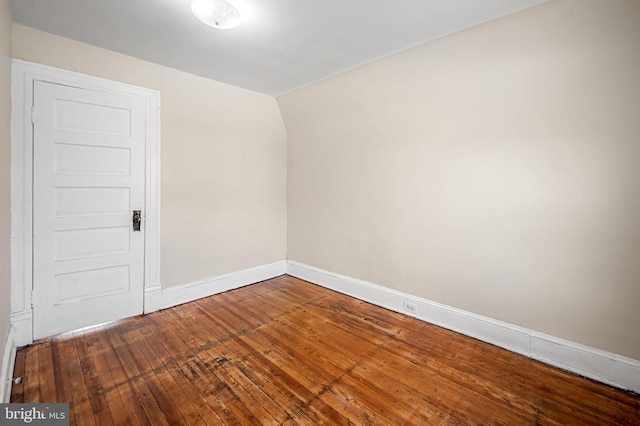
{"type": "Point", "coordinates": [202, 369]}
{"type": "Point", "coordinates": [228, 368]}
{"type": "Point", "coordinates": [136, 378]}
{"type": "Point", "coordinates": [63, 352]}
{"type": "Point", "coordinates": [85, 342]}
{"type": "Point", "coordinates": [32, 374]}
{"type": "Point", "coordinates": [183, 373]}
{"type": "Point", "coordinates": [131, 410]}
{"type": "Point", "coordinates": [60, 371]}
{"type": "Point", "coordinates": [47, 377]}
{"type": "Point", "coordinates": [507, 385]}
{"type": "Point", "coordinates": [332, 334]}
{"type": "Point", "coordinates": [170, 394]}
{"type": "Point", "coordinates": [212, 362]}
{"type": "Point", "coordinates": [17, 390]}
{"type": "Point", "coordinates": [104, 380]}
{"type": "Point", "coordinates": [284, 346]}
{"type": "Point", "coordinates": [435, 389]}
{"type": "Point", "coordinates": [279, 385]}
{"type": "Point", "coordinates": [199, 412]}
{"type": "Point", "coordinates": [82, 409]}
{"type": "Point", "coordinates": [288, 352]}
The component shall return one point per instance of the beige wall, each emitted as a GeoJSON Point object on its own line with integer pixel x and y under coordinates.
{"type": "Point", "coordinates": [5, 171]}
{"type": "Point", "coordinates": [223, 160]}
{"type": "Point", "coordinates": [496, 170]}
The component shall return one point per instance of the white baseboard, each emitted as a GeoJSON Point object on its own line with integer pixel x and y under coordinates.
{"type": "Point", "coordinates": [596, 364]}
{"type": "Point", "coordinates": [586, 361]}
{"type": "Point", "coordinates": [152, 298]}
{"type": "Point", "coordinates": [174, 296]}
{"type": "Point", "coordinates": [23, 327]}
{"type": "Point", "coordinates": [8, 362]}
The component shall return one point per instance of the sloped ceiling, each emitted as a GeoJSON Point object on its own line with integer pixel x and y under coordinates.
{"type": "Point", "coordinates": [280, 46]}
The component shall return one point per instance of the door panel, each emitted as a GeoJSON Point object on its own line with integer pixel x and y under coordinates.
{"type": "Point", "coordinates": [91, 201]}
{"type": "Point", "coordinates": [84, 243]}
{"type": "Point", "coordinates": [79, 286]}
{"type": "Point", "coordinates": [88, 178]}
{"type": "Point", "coordinates": [78, 116]}
{"type": "Point", "coordinates": [91, 160]}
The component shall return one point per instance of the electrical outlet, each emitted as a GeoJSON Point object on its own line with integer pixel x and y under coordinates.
{"type": "Point", "coordinates": [411, 307]}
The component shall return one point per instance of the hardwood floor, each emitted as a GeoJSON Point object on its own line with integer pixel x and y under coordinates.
{"type": "Point", "coordinates": [288, 352]}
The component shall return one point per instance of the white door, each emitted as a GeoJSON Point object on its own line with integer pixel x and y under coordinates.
{"type": "Point", "coordinates": [88, 178]}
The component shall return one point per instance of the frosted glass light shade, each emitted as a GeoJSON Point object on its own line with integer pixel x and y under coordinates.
{"type": "Point", "coordinates": [216, 13]}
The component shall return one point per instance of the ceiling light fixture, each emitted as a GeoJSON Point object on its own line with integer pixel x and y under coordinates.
{"type": "Point", "coordinates": [216, 13]}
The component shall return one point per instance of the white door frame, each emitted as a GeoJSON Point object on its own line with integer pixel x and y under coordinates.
{"type": "Point", "coordinates": [22, 78]}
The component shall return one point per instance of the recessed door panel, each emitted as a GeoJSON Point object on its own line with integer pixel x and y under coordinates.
{"type": "Point", "coordinates": [84, 285]}
{"type": "Point", "coordinates": [86, 243]}
{"type": "Point", "coordinates": [77, 116]}
{"type": "Point", "coordinates": [71, 159]}
{"type": "Point", "coordinates": [91, 201]}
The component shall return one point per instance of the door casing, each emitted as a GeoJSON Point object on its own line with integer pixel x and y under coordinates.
{"type": "Point", "coordinates": [23, 76]}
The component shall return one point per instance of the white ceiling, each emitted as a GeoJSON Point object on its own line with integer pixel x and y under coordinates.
{"type": "Point", "coordinates": [281, 45]}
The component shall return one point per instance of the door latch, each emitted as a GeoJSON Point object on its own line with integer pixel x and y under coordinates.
{"type": "Point", "coordinates": [137, 219]}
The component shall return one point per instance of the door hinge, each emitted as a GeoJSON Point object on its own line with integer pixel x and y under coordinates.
{"type": "Point", "coordinates": [33, 296]}
{"type": "Point", "coordinates": [33, 114]}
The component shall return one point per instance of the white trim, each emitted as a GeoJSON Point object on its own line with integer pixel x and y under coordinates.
{"type": "Point", "coordinates": [22, 78]}
{"type": "Point", "coordinates": [152, 207]}
{"type": "Point", "coordinates": [152, 298]}
{"type": "Point", "coordinates": [605, 367]}
{"type": "Point", "coordinates": [174, 296]}
{"type": "Point", "coordinates": [8, 362]}
{"type": "Point", "coordinates": [22, 323]}
{"type": "Point", "coordinates": [596, 364]}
